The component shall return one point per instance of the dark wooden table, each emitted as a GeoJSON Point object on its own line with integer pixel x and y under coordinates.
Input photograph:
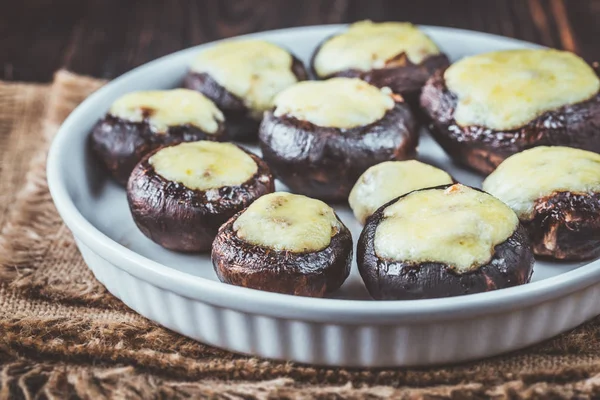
{"type": "Point", "coordinates": [105, 38]}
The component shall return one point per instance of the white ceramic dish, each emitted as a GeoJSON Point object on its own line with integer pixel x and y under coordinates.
{"type": "Point", "coordinates": [182, 292]}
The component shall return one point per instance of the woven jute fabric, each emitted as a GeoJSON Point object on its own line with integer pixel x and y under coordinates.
{"type": "Point", "coordinates": [62, 335]}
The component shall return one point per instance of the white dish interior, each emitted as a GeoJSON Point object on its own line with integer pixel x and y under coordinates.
{"type": "Point", "coordinates": [96, 210]}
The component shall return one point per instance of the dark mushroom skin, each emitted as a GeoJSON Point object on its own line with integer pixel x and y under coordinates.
{"type": "Point", "coordinates": [325, 162]}
{"type": "Point", "coordinates": [397, 55]}
{"type": "Point", "coordinates": [241, 123]}
{"type": "Point", "coordinates": [555, 192]}
{"type": "Point", "coordinates": [510, 265]}
{"type": "Point", "coordinates": [566, 226]}
{"type": "Point", "coordinates": [400, 75]}
{"type": "Point", "coordinates": [312, 274]}
{"type": "Point", "coordinates": [121, 144]}
{"type": "Point", "coordinates": [483, 149]}
{"type": "Point", "coordinates": [182, 219]}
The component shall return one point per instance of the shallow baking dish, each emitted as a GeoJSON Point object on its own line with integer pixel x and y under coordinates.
{"type": "Point", "coordinates": [182, 292]}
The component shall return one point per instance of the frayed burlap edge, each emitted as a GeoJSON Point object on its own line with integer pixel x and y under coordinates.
{"type": "Point", "coordinates": [47, 380]}
{"type": "Point", "coordinates": [23, 238]}
{"type": "Point", "coordinates": [35, 363]}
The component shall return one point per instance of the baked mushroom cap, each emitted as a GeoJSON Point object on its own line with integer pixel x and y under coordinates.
{"type": "Point", "coordinates": [322, 135]}
{"type": "Point", "coordinates": [440, 242]}
{"type": "Point", "coordinates": [242, 77]}
{"type": "Point", "coordinates": [388, 180]}
{"type": "Point", "coordinates": [397, 55]}
{"type": "Point", "coordinates": [284, 243]}
{"type": "Point", "coordinates": [180, 195]}
{"type": "Point", "coordinates": [487, 107]}
{"type": "Point", "coordinates": [140, 122]}
{"type": "Point", "coordinates": [555, 192]}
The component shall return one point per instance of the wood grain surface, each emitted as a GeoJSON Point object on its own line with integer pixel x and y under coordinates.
{"type": "Point", "coordinates": [105, 38]}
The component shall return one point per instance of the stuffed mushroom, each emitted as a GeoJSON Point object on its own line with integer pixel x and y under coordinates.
{"type": "Point", "coordinates": [439, 242]}
{"type": "Point", "coordinates": [180, 195]}
{"type": "Point", "coordinates": [487, 107]}
{"type": "Point", "coordinates": [555, 192]}
{"type": "Point", "coordinates": [284, 243]}
{"type": "Point", "coordinates": [140, 122]}
{"type": "Point", "coordinates": [242, 77]}
{"type": "Point", "coordinates": [397, 55]}
{"type": "Point", "coordinates": [322, 135]}
{"type": "Point", "coordinates": [388, 180]}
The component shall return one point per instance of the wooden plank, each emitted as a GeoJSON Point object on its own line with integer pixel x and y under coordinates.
{"type": "Point", "coordinates": [583, 25]}
{"type": "Point", "coordinates": [33, 37]}
{"type": "Point", "coordinates": [106, 38]}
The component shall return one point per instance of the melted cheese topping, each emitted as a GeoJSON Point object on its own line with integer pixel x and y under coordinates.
{"type": "Point", "coordinates": [536, 173]}
{"type": "Point", "coordinates": [338, 102]}
{"type": "Point", "coordinates": [458, 226]}
{"type": "Point", "coordinates": [285, 221]}
{"type": "Point", "coordinates": [204, 165]}
{"type": "Point", "coordinates": [165, 108]}
{"type": "Point", "coordinates": [388, 180]}
{"type": "Point", "coordinates": [253, 70]}
{"type": "Point", "coordinates": [367, 45]}
{"type": "Point", "coordinates": [507, 89]}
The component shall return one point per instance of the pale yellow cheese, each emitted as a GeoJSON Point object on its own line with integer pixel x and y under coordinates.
{"type": "Point", "coordinates": [388, 180]}
{"type": "Point", "coordinates": [507, 89]}
{"type": "Point", "coordinates": [285, 221]}
{"type": "Point", "coordinates": [458, 226]}
{"type": "Point", "coordinates": [166, 108]}
{"type": "Point", "coordinates": [204, 165]}
{"type": "Point", "coordinates": [253, 70]}
{"type": "Point", "coordinates": [369, 45]}
{"type": "Point", "coordinates": [338, 102]}
{"type": "Point", "coordinates": [536, 173]}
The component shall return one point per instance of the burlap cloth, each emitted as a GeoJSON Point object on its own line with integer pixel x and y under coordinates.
{"type": "Point", "coordinates": [63, 335]}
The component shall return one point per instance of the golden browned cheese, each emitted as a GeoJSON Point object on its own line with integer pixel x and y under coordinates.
{"type": "Point", "coordinates": [386, 181]}
{"type": "Point", "coordinates": [338, 102]}
{"type": "Point", "coordinates": [253, 70]}
{"type": "Point", "coordinates": [285, 221]}
{"type": "Point", "coordinates": [369, 45]}
{"type": "Point", "coordinates": [505, 90]}
{"type": "Point", "coordinates": [536, 173]}
{"type": "Point", "coordinates": [165, 108]}
{"type": "Point", "coordinates": [457, 226]}
{"type": "Point", "coordinates": [204, 165]}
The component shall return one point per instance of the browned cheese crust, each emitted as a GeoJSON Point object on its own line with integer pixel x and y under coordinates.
{"type": "Point", "coordinates": [510, 265]}
{"type": "Point", "coordinates": [311, 274]}
{"type": "Point", "coordinates": [182, 219]}
{"type": "Point", "coordinates": [483, 149]}
{"type": "Point", "coordinates": [399, 74]}
{"type": "Point", "coordinates": [121, 144]}
{"type": "Point", "coordinates": [240, 125]}
{"type": "Point", "coordinates": [325, 162]}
